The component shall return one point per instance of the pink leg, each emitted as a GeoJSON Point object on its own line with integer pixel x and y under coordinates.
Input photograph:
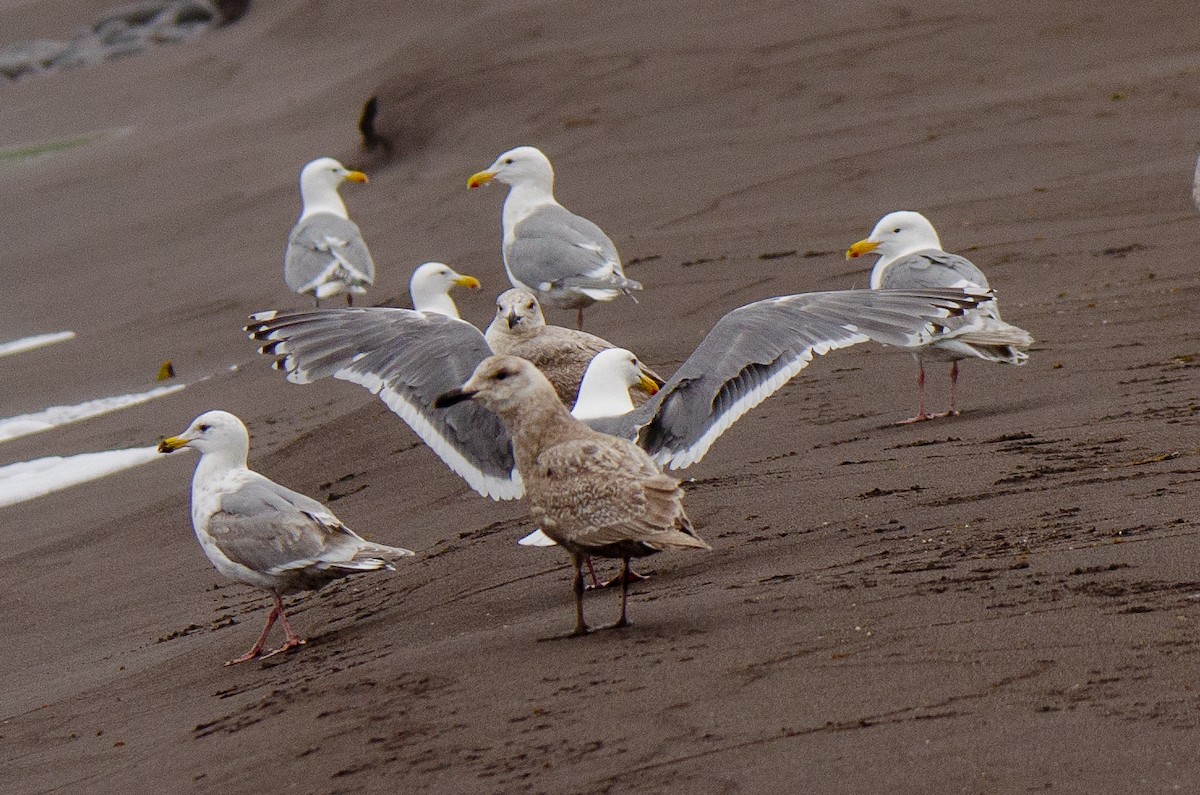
{"type": "Point", "coordinates": [953, 410]}
{"type": "Point", "coordinates": [579, 319]}
{"type": "Point", "coordinates": [349, 299]}
{"type": "Point", "coordinates": [629, 573]}
{"type": "Point", "coordinates": [954, 388]}
{"type": "Point", "coordinates": [293, 640]}
{"type": "Point", "coordinates": [921, 415]}
{"type": "Point", "coordinates": [592, 571]}
{"type": "Point", "coordinates": [262, 638]}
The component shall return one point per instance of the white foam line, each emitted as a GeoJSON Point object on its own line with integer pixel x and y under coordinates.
{"type": "Point", "coordinates": [36, 341]}
{"type": "Point", "coordinates": [25, 424]}
{"type": "Point", "coordinates": [26, 480]}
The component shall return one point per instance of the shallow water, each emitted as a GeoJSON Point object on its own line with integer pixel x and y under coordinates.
{"type": "Point", "coordinates": [26, 480]}
{"type": "Point", "coordinates": [54, 416]}
{"type": "Point", "coordinates": [34, 342]}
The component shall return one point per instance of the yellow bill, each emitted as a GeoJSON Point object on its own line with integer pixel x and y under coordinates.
{"type": "Point", "coordinates": [480, 178]}
{"type": "Point", "coordinates": [647, 385]}
{"type": "Point", "coordinates": [356, 176]}
{"type": "Point", "coordinates": [860, 248]}
{"type": "Point", "coordinates": [171, 444]}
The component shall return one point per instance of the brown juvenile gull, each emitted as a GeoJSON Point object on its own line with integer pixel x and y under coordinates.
{"type": "Point", "coordinates": [565, 259]}
{"type": "Point", "coordinates": [603, 393]}
{"type": "Point", "coordinates": [593, 494]}
{"type": "Point", "coordinates": [430, 287]}
{"type": "Point", "coordinates": [326, 254]}
{"type": "Point", "coordinates": [911, 257]}
{"type": "Point", "coordinates": [562, 354]}
{"type": "Point", "coordinates": [259, 533]}
{"type": "Point", "coordinates": [406, 357]}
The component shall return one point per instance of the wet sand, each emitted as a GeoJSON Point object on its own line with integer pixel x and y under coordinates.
{"type": "Point", "coordinates": [1005, 601]}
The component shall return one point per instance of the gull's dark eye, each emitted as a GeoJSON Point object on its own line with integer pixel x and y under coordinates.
{"type": "Point", "coordinates": [896, 231]}
{"type": "Point", "coordinates": [508, 161]}
{"type": "Point", "coordinates": [203, 428]}
{"type": "Point", "coordinates": [529, 306]}
{"type": "Point", "coordinates": [500, 376]}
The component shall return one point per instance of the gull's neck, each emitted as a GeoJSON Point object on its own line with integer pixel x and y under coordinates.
{"type": "Point", "coordinates": [601, 396]}
{"type": "Point", "coordinates": [523, 198]}
{"type": "Point", "coordinates": [503, 339]}
{"type": "Point", "coordinates": [431, 299]}
{"type": "Point", "coordinates": [321, 197]}
{"type": "Point", "coordinates": [538, 424]}
{"type": "Point", "coordinates": [892, 255]}
{"type": "Point", "coordinates": [217, 463]}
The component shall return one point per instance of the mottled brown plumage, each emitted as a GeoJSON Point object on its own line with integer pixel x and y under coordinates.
{"type": "Point", "coordinates": [594, 494]}
{"type": "Point", "coordinates": [562, 354]}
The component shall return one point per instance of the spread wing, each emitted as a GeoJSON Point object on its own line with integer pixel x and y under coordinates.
{"type": "Point", "coordinates": [408, 358]}
{"type": "Point", "coordinates": [756, 349]}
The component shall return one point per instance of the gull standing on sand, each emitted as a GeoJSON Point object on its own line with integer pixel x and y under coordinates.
{"type": "Point", "coordinates": [326, 254]}
{"type": "Point", "coordinates": [603, 394]}
{"type": "Point", "coordinates": [562, 354]}
{"type": "Point", "coordinates": [593, 494]}
{"type": "Point", "coordinates": [259, 533]}
{"type": "Point", "coordinates": [565, 259]}
{"type": "Point", "coordinates": [430, 287]}
{"type": "Point", "coordinates": [409, 358]}
{"type": "Point", "coordinates": [911, 257]}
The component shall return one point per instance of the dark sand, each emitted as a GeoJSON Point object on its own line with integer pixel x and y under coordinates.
{"type": "Point", "coordinates": [1001, 602]}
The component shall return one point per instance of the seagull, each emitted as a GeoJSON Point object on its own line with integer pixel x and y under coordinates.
{"type": "Point", "coordinates": [911, 257]}
{"type": "Point", "coordinates": [326, 254]}
{"type": "Point", "coordinates": [430, 287]}
{"type": "Point", "coordinates": [603, 394]}
{"type": "Point", "coordinates": [409, 358]}
{"type": "Point", "coordinates": [565, 259]}
{"type": "Point", "coordinates": [562, 354]}
{"type": "Point", "coordinates": [259, 533]}
{"type": "Point", "coordinates": [604, 390]}
{"type": "Point", "coordinates": [595, 495]}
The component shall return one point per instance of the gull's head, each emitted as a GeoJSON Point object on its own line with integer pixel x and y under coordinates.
{"type": "Point", "coordinates": [211, 432]}
{"type": "Point", "coordinates": [439, 277]}
{"type": "Point", "coordinates": [518, 312]}
{"type": "Point", "coordinates": [604, 391]}
{"type": "Point", "coordinates": [430, 287]}
{"type": "Point", "coordinates": [523, 165]}
{"type": "Point", "coordinates": [325, 172]}
{"type": "Point", "coordinates": [620, 367]}
{"type": "Point", "coordinates": [896, 234]}
{"type": "Point", "coordinates": [503, 384]}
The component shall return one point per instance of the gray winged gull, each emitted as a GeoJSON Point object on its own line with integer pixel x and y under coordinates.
{"type": "Point", "coordinates": [593, 494]}
{"type": "Point", "coordinates": [406, 357]}
{"type": "Point", "coordinates": [326, 254]}
{"type": "Point", "coordinates": [430, 287]}
{"type": "Point", "coordinates": [565, 259]}
{"type": "Point", "coordinates": [259, 533]}
{"type": "Point", "coordinates": [562, 354]}
{"type": "Point", "coordinates": [911, 257]}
